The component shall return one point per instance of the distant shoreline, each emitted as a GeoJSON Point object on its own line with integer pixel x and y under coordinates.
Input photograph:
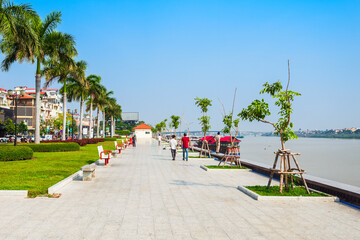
{"type": "Point", "coordinates": [332, 136]}
{"type": "Point", "coordinates": [338, 136]}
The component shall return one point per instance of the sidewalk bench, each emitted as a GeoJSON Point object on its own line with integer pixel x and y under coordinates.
{"type": "Point", "coordinates": [118, 146]}
{"type": "Point", "coordinates": [106, 155]}
{"type": "Point", "coordinates": [88, 172]}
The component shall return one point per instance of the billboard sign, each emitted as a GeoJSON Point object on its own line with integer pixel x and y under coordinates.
{"type": "Point", "coordinates": [130, 116]}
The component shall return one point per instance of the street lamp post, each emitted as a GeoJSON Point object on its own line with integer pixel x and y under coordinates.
{"type": "Point", "coordinates": [13, 94]}
{"type": "Point", "coordinates": [72, 121]}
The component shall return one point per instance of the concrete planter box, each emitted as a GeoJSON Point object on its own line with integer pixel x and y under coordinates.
{"type": "Point", "coordinates": [286, 198]}
{"type": "Point", "coordinates": [224, 169]}
{"type": "Point", "coordinates": [55, 188]}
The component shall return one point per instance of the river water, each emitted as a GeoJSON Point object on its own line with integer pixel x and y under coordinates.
{"type": "Point", "coordinates": [334, 159]}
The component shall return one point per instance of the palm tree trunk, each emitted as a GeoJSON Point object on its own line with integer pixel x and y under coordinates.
{"type": "Point", "coordinates": [64, 112]}
{"type": "Point", "coordinates": [111, 127]}
{"type": "Point", "coordinates": [114, 124]}
{"type": "Point", "coordinates": [97, 124]}
{"type": "Point", "coordinates": [103, 115]}
{"type": "Point", "coordinates": [37, 103]}
{"type": "Point", "coordinates": [81, 116]}
{"type": "Point", "coordinates": [91, 133]}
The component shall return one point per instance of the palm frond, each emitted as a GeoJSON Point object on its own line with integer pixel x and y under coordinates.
{"type": "Point", "coordinates": [50, 23]}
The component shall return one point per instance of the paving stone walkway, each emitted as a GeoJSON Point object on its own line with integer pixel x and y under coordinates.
{"type": "Point", "coordinates": [145, 195]}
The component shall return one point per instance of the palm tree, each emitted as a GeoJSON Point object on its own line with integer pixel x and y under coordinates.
{"type": "Point", "coordinates": [94, 91]}
{"type": "Point", "coordinates": [61, 71]}
{"type": "Point", "coordinates": [113, 111]}
{"type": "Point", "coordinates": [12, 16]}
{"type": "Point", "coordinates": [107, 102]}
{"type": "Point", "coordinates": [98, 102]}
{"type": "Point", "coordinates": [77, 89]}
{"type": "Point", "coordinates": [101, 102]}
{"type": "Point", "coordinates": [30, 50]}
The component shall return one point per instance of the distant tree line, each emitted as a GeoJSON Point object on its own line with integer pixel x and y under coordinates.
{"type": "Point", "coordinates": [325, 134]}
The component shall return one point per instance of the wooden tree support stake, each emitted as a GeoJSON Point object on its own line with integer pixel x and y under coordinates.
{"type": "Point", "coordinates": [285, 170]}
{"type": "Point", "coordinates": [232, 155]}
{"type": "Point", "coordinates": [205, 148]}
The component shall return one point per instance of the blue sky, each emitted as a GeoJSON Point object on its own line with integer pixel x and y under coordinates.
{"type": "Point", "coordinates": [157, 56]}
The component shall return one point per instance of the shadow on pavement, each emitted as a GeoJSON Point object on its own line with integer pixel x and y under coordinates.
{"type": "Point", "coordinates": [186, 183]}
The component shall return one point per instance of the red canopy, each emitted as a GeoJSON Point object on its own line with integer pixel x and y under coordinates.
{"type": "Point", "coordinates": [228, 139]}
{"type": "Point", "coordinates": [209, 139]}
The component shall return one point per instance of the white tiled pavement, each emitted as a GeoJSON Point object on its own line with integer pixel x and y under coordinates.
{"type": "Point", "coordinates": [145, 195]}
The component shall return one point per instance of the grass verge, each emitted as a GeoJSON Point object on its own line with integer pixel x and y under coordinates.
{"type": "Point", "coordinates": [205, 157]}
{"type": "Point", "coordinates": [274, 191]}
{"type": "Point", "coordinates": [46, 168]}
{"type": "Point", "coordinates": [224, 167]}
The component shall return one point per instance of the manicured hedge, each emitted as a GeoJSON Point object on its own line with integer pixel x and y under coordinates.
{"type": "Point", "coordinates": [81, 142]}
{"type": "Point", "coordinates": [54, 147]}
{"type": "Point", "coordinates": [123, 132]}
{"type": "Point", "coordinates": [12, 153]}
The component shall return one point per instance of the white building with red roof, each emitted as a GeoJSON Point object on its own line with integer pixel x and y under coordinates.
{"type": "Point", "coordinates": [143, 131]}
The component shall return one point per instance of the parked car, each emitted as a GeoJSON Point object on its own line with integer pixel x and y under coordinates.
{"type": "Point", "coordinates": [4, 139]}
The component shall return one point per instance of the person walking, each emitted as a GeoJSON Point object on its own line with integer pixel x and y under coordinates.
{"type": "Point", "coordinates": [134, 140]}
{"type": "Point", "coordinates": [173, 145]}
{"type": "Point", "coordinates": [159, 139]}
{"type": "Point", "coordinates": [185, 147]}
{"type": "Point", "coordinates": [217, 139]}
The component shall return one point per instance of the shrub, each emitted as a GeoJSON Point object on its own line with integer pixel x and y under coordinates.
{"type": "Point", "coordinates": [54, 147]}
{"type": "Point", "coordinates": [123, 132]}
{"type": "Point", "coordinates": [12, 153]}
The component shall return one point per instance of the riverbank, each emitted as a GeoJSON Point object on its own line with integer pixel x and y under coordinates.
{"type": "Point", "coordinates": [333, 159]}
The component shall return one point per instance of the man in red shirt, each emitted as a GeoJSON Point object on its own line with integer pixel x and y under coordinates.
{"type": "Point", "coordinates": [185, 146]}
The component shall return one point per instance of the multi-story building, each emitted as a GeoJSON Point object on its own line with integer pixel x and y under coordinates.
{"type": "Point", "coordinates": [5, 111]}
{"type": "Point", "coordinates": [25, 110]}
{"type": "Point", "coordinates": [51, 104]}
{"type": "Point", "coordinates": [3, 98]}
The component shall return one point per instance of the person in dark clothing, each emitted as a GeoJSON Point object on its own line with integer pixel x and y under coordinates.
{"type": "Point", "coordinates": [134, 140]}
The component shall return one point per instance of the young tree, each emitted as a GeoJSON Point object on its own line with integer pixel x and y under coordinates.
{"type": "Point", "coordinates": [204, 104]}
{"type": "Point", "coordinates": [230, 122]}
{"type": "Point", "coordinates": [158, 128]}
{"type": "Point", "coordinates": [258, 110]}
{"type": "Point", "coordinates": [175, 121]}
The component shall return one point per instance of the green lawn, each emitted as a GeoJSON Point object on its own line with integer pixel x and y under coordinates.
{"type": "Point", "coordinates": [47, 168]}
{"type": "Point", "coordinates": [274, 191]}
{"type": "Point", "coordinates": [224, 167]}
